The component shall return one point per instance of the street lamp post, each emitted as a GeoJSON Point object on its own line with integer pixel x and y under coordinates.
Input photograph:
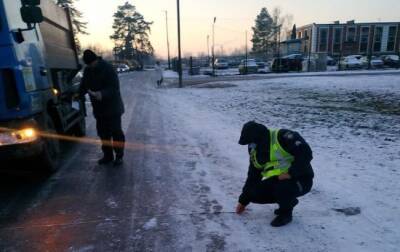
{"type": "Point", "coordinates": [179, 45]}
{"type": "Point", "coordinates": [208, 49]}
{"type": "Point", "coordinates": [213, 46]}
{"type": "Point", "coordinates": [169, 57]}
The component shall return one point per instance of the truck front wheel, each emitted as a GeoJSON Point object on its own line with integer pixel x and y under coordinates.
{"type": "Point", "coordinates": [50, 156]}
{"type": "Point", "coordinates": [79, 129]}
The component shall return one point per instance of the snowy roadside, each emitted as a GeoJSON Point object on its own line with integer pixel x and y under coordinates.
{"type": "Point", "coordinates": [171, 78]}
{"type": "Point", "coordinates": [353, 125]}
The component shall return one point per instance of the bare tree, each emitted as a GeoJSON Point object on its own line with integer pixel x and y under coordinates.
{"type": "Point", "coordinates": [238, 52]}
{"type": "Point", "coordinates": [283, 25]}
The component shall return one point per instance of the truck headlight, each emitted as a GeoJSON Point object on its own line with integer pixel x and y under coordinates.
{"type": "Point", "coordinates": [26, 135]}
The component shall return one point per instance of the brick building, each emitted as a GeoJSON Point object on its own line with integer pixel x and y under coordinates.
{"type": "Point", "coordinates": [350, 38]}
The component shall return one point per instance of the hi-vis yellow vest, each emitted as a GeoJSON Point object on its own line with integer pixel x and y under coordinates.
{"type": "Point", "coordinates": [279, 159]}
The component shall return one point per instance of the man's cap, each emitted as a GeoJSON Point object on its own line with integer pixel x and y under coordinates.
{"type": "Point", "coordinates": [89, 56]}
{"type": "Point", "coordinates": [253, 132]}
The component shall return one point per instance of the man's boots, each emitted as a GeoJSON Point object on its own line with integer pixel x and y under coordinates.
{"type": "Point", "coordinates": [107, 159]}
{"type": "Point", "coordinates": [285, 215]}
{"type": "Point", "coordinates": [118, 161]}
{"type": "Point", "coordinates": [278, 211]}
{"type": "Point", "coordinates": [283, 218]}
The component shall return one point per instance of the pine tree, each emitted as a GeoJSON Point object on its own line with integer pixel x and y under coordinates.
{"type": "Point", "coordinates": [294, 31]}
{"type": "Point", "coordinates": [131, 33]}
{"type": "Point", "coordinates": [263, 33]}
{"type": "Point", "coordinates": [79, 26]}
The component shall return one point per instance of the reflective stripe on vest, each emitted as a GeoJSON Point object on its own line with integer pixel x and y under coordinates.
{"type": "Point", "coordinates": [280, 160]}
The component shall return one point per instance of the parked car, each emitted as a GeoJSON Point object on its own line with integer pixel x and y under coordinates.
{"type": "Point", "coordinates": [295, 56]}
{"type": "Point", "coordinates": [122, 68]}
{"type": "Point", "coordinates": [234, 63]}
{"type": "Point", "coordinates": [375, 62]}
{"type": "Point", "coordinates": [221, 64]}
{"type": "Point", "coordinates": [351, 62]}
{"type": "Point", "coordinates": [287, 64]}
{"type": "Point", "coordinates": [330, 61]}
{"type": "Point", "coordinates": [261, 64]}
{"type": "Point", "coordinates": [391, 60]}
{"type": "Point", "coordinates": [248, 66]}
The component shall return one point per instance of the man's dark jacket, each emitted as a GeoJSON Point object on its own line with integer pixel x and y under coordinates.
{"type": "Point", "coordinates": [102, 77]}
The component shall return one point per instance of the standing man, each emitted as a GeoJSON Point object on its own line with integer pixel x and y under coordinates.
{"type": "Point", "coordinates": [280, 170]}
{"type": "Point", "coordinates": [159, 73]}
{"type": "Point", "coordinates": [101, 82]}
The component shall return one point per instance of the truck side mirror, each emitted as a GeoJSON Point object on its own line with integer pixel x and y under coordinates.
{"type": "Point", "coordinates": [31, 2]}
{"type": "Point", "coordinates": [30, 12]}
{"type": "Point", "coordinates": [31, 15]}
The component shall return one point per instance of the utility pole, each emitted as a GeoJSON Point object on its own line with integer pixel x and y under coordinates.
{"type": "Point", "coordinates": [179, 46]}
{"type": "Point", "coordinates": [279, 40]}
{"type": "Point", "coordinates": [166, 22]}
{"type": "Point", "coordinates": [208, 50]}
{"type": "Point", "coordinates": [371, 40]}
{"type": "Point", "coordinates": [278, 46]}
{"type": "Point", "coordinates": [398, 63]}
{"type": "Point", "coordinates": [213, 46]}
{"type": "Point", "coordinates": [245, 62]}
{"type": "Point", "coordinates": [309, 54]}
{"type": "Point", "coordinates": [115, 52]}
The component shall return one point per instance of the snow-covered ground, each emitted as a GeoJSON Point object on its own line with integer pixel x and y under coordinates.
{"type": "Point", "coordinates": [169, 74]}
{"type": "Point", "coordinates": [352, 125]}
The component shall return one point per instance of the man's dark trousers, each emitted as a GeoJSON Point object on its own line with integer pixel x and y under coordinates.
{"type": "Point", "coordinates": [109, 129]}
{"type": "Point", "coordinates": [283, 192]}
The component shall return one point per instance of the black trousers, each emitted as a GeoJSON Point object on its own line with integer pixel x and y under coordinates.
{"type": "Point", "coordinates": [109, 129]}
{"type": "Point", "coordinates": [159, 82]}
{"type": "Point", "coordinates": [282, 192]}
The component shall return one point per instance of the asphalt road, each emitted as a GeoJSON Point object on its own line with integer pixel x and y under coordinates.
{"type": "Point", "coordinates": [86, 207]}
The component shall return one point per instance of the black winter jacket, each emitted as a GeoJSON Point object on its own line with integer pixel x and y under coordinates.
{"type": "Point", "coordinates": [291, 142]}
{"type": "Point", "coordinates": [102, 77]}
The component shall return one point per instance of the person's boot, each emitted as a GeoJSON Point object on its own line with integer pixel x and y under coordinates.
{"type": "Point", "coordinates": [119, 157]}
{"type": "Point", "coordinates": [108, 155]}
{"type": "Point", "coordinates": [282, 219]}
{"type": "Point", "coordinates": [278, 211]}
{"type": "Point", "coordinates": [118, 161]}
{"type": "Point", "coordinates": [105, 160]}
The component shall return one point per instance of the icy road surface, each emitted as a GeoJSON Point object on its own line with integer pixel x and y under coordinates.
{"type": "Point", "coordinates": [184, 171]}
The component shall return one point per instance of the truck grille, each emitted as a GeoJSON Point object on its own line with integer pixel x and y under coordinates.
{"type": "Point", "coordinates": [10, 88]}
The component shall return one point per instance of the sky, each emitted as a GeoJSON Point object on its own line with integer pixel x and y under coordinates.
{"type": "Point", "coordinates": [234, 17]}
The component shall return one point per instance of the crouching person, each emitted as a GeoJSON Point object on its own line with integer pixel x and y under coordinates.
{"type": "Point", "coordinates": [280, 170]}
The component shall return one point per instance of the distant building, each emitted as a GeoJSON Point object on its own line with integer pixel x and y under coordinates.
{"type": "Point", "coordinates": [349, 38]}
{"type": "Point", "coordinates": [292, 46]}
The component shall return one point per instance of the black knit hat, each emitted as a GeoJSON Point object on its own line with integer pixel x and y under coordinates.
{"type": "Point", "coordinates": [89, 56]}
